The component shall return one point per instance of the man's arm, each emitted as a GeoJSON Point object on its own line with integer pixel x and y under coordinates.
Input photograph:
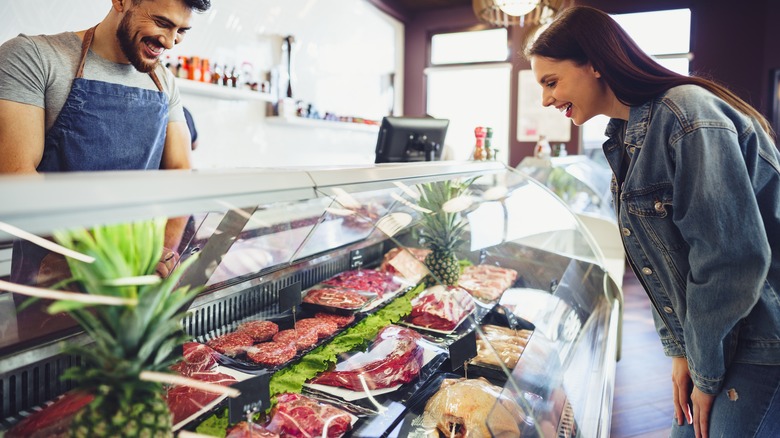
{"type": "Point", "coordinates": [22, 131]}
{"type": "Point", "coordinates": [176, 155]}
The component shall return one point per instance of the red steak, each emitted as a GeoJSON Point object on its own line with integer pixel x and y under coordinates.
{"type": "Point", "coordinates": [247, 430]}
{"type": "Point", "coordinates": [197, 357]}
{"type": "Point", "coordinates": [185, 401]}
{"type": "Point", "coordinates": [368, 280]}
{"type": "Point", "coordinates": [335, 297]}
{"type": "Point", "coordinates": [441, 308]}
{"type": "Point", "coordinates": [296, 415]}
{"type": "Point", "coordinates": [393, 358]}
{"type": "Point", "coordinates": [53, 420]}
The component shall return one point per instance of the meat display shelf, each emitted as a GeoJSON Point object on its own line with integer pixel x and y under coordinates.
{"type": "Point", "coordinates": [265, 235]}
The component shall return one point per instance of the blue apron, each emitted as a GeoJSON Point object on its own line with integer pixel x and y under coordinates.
{"type": "Point", "coordinates": [102, 126]}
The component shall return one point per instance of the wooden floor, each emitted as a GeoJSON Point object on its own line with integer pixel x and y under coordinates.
{"type": "Point", "coordinates": [642, 406]}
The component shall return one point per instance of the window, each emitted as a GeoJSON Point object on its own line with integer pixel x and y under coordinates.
{"type": "Point", "coordinates": [670, 48]}
{"type": "Point", "coordinates": [468, 83]}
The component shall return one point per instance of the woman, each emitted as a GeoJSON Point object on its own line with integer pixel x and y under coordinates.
{"type": "Point", "coordinates": [697, 192]}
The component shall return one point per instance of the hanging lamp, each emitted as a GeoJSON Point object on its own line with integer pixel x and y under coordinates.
{"type": "Point", "coordinates": [523, 13]}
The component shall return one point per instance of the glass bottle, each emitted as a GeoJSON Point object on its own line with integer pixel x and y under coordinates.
{"type": "Point", "coordinates": [542, 149]}
{"type": "Point", "coordinates": [479, 150]}
{"type": "Point", "coordinates": [490, 154]}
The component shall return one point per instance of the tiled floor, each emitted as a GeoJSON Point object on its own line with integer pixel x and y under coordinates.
{"type": "Point", "coordinates": [642, 407]}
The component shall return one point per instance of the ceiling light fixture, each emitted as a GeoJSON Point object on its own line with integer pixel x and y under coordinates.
{"type": "Point", "coordinates": [517, 8]}
{"type": "Point", "coordinates": [521, 13]}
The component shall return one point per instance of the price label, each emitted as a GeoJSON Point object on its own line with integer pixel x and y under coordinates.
{"type": "Point", "coordinates": [463, 350]}
{"type": "Point", "coordinates": [289, 297]}
{"type": "Point", "coordinates": [255, 397]}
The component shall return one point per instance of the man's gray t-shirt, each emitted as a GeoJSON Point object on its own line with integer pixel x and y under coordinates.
{"type": "Point", "coordinates": [39, 70]}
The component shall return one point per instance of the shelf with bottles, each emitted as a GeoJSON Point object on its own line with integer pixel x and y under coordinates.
{"type": "Point", "coordinates": [322, 123]}
{"type": "Point", "coordinates": [206, 89]}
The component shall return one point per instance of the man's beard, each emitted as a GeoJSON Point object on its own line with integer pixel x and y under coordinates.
{"type": "Point", "coordinates": [123, 34]}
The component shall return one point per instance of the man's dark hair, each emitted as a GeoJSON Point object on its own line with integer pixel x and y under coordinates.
{"type": "Point", "coordinates": [198, 5]}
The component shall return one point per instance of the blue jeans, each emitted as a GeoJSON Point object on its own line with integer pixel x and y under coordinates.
{"type": "Point", "coordinates": [752, 409]}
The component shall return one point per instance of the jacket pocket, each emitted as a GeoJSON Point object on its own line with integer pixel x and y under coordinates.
{"type": "Point", "coordinates": [652, 208]}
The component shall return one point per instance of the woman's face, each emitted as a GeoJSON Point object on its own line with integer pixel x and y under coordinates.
{"type": "Point", "coordinates": [575, 90]}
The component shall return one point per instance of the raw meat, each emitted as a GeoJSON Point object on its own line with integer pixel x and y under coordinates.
{"type": "Point", "coordinates": [259, 330]}
{"type": "Point", "coordinates": [53, 420]}
{"type": "Point", "coordinates": [472, 408]}
{"type": "Point", "coordinates": [302, 339]}
{"type": "Point", "coordinates": [487, 282]}
{"type": "Point", "coordinates": [185, 401]}
{"type": "Point", "coordinates": [368, 280]}
{"type": "Point", "coordinates": [247, 430]}
{"type": "Point", "coordinates": [335, 297]}
{"type": "Point", "coordinates": [322, 327]}
{"type": "Point", "coordinates": [340, 320]}
{"type": "Point", "coordinates": [231, 344]}
{"type": "Point", "coordinates": [272, 353]}
{"type": "Point", "coordinates": [389, 265]}
{"type": "Point", "coordinates": [441, 308]}
{"type": "Point", "coordinates": [197, 357]}
{"type": "Point", "coordinates": [297, 415]}
{"type": "Point", "coordinates": [506, 346]}
{"type": "Point", "coordinates": [393, 358]}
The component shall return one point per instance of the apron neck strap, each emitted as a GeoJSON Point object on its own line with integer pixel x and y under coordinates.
{"type": "Point", "coordinates": [85, 45]}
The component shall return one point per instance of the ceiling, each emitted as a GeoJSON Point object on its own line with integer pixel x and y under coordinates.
{"type": "Point", "coordinates": [414, 6]}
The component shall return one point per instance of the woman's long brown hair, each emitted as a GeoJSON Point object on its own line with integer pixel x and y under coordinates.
{"type": "Point", "coordinates": [583, 34]}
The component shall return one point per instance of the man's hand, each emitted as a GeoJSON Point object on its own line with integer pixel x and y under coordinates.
{"type": "Point", "coordinates": [702, 406]}
{"type": "Point", "coordinates": [681, 385]}
{"type": "Point", "coordinates": [167, 262]}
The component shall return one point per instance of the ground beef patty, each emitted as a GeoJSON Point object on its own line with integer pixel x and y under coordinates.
{"type": "Point", "coordinates": [272, 353]}
{"type": "Point", "coordinates": [231, 344]}
{"type": "Point", "coordinates": [302, 339]}
{"type": "Point", "coordinates": [323, 327]}
{"type": "Point", "coordinates": [340, 320]}
{"type": "Point", "coordinates": [259, 330]}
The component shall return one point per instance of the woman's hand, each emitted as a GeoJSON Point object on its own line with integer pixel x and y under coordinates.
{"type": "Point", "coordinates": [681, 385]}
{"type": "Point", "coordinates": [702, 405]}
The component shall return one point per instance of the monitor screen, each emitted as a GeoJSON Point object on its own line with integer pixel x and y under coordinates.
{"type": "Point", "coordinates": [403, 139]}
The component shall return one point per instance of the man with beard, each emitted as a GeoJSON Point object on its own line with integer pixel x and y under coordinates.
{"type": "Point", "coordinates": [97, 99]}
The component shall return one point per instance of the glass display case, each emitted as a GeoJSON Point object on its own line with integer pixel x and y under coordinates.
{"type": "Point", "coordinates": [583, 183]}
{"type": "Point", "coordinates": [442, 282]}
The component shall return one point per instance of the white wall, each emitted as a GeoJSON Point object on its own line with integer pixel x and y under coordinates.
{"type": "Point", "coordinates": [343, 50]}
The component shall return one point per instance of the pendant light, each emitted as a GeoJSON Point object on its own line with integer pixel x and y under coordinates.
{"type": "Point", "coordinates": [522, 13]}
{"type": "Point", "coordinates": [517, 8]}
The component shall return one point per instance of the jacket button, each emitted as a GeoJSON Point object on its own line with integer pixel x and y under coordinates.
{"type": "Point", "coordinates": [658, 206]}
{"type": "Point", "coordinates": [632, 149]}
{"type": "Point", "coordinates": [668, 309]}
{"type": "Point", "coordinates": [647, 271]}
{"type": "Point", "coordinates": [626, 232]}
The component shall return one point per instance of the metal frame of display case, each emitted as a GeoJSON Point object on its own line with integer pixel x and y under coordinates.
{"type": "Point", "coordinates": [42, 203]}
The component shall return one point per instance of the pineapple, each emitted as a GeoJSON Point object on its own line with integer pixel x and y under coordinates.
{"type": "Point", "coordinates": [442, 230]}
{"type": "Point", "coordinates": [128, 339]}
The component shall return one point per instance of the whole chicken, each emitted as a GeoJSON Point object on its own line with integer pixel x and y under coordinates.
{"type": "Point", "coordinates": [472, 408]}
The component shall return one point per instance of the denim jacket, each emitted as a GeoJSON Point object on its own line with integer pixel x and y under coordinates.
{"type": "Point", "coordinates": [699, 213]}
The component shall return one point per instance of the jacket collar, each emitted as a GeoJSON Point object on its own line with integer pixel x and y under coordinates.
{"type": "Point", "coordinates": [635, 128]}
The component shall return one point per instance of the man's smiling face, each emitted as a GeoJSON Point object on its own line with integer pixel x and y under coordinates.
{"type": "Point", "coordinates": [149, 28]}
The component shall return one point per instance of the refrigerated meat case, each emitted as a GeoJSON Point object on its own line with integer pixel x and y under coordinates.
{"type": "Point", "coordinates": [260, 233]}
